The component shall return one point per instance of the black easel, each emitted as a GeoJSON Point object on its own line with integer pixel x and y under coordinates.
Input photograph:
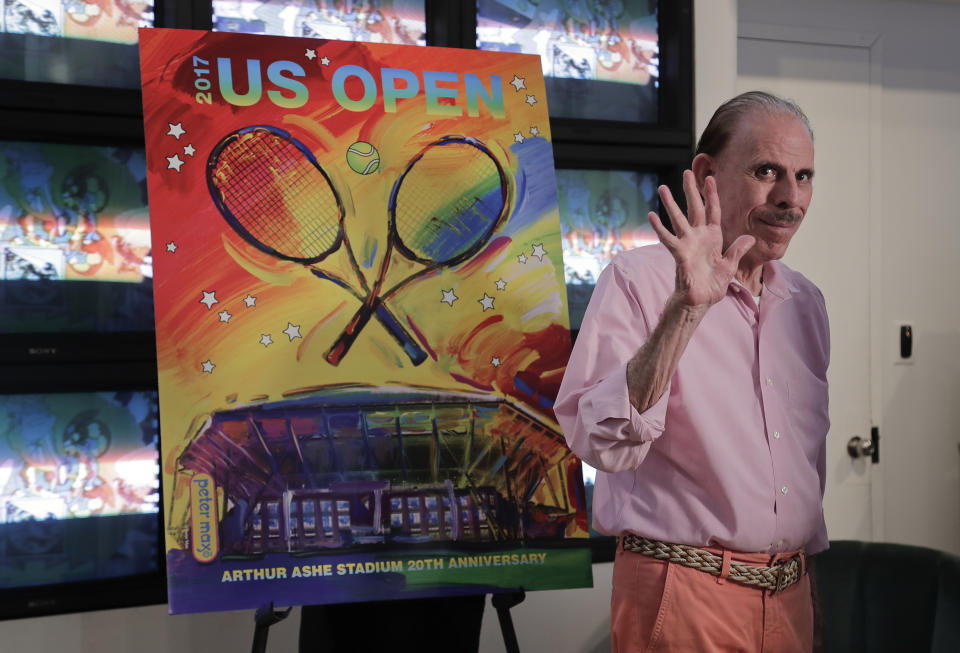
{"type": "Point", "coordinates": [265, 617]}
{"type": "Point", "coordinates": [503, 602]}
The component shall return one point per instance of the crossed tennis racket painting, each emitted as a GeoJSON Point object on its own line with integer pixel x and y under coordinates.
{"type": "Point", "coordinates": [269, 187]}
{"type": "Point", "coordinates": [357, 246]}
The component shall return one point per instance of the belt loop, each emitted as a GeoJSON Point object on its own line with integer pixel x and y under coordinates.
{"type": "Point", "coordinates": [724, 566]}
{"type": "Point", "coordinates": [803, 562]}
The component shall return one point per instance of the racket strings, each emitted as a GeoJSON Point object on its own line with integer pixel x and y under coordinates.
{"type": "Point", "coordinates": [441, 225]}
{"type": "Point", "coordinates": [278, 195]}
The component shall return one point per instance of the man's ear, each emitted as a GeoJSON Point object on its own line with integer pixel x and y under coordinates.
{"type": "Point", "coordinates": [703, 167]}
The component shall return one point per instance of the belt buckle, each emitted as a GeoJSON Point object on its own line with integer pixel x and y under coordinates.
{"type": "Point", "coordinates": [782, 572]}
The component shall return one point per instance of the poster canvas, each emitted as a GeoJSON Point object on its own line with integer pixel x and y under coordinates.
{"type": "Point", "coordinates": [361, 322]}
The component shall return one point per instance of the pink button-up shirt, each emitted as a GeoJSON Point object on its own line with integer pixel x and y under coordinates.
{"type": "Point", "coordinates": [733, 453]}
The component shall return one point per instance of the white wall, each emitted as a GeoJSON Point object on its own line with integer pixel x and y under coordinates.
{"type": "Point", "coordinates": [714, 57]}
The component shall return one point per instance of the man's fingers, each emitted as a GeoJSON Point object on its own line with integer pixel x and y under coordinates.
{"type": "Point", "coordinates": [694, 202]}
{"type": "Point", "coordinates": [677, 219]}
{"type": "Point", "coordinates": [713, 200]}
{"type": "Point", "coordinates": [668, 239]}
{"type": "Point", "coordinates": [738, 248]}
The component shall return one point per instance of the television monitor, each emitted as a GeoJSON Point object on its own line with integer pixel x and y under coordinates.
{"type": "Point", "coordinates": [75, 259]}
{"type": "Point", "coordinates": [601, 60]}
{"type": "Point", "coordinates": [83, 42]}
{"type": "Point", "coordinates": [602, 213]}
{"type": "Point", "coordinates": [80, 518]}
{"type": "Point", "coordinates": [615, 72]}
{"type": "Point", "coordinates": [604, 193]}
{"type": "Point", "coordinates": [377, 21]}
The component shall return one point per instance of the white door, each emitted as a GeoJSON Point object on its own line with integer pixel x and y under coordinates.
{"type": "Point", "coordinates": [832, 83]}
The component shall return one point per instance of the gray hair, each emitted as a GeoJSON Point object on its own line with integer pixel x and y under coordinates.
{"type": "Point", "coordinates": [731, 113]}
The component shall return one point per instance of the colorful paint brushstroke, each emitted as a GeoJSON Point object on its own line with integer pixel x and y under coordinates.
{"type": "Point", "coordinates": [361, 322]}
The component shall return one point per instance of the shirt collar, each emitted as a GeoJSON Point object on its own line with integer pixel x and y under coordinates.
{"type": "Point", "coordinates": [776, 281]}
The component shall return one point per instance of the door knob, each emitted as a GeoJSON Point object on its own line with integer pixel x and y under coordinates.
{"type": "Point", "coordinates": [857, 447]}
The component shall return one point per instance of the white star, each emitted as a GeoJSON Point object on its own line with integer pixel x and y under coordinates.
{"type": "Point", "coordinates": [250, 300]}
{"type": "Point", "coordinates": [518, 82]}
{"type": "Point", "coordinates": [534, 130]}
{"type": "Point", "coordinates": [448, 296]}
{"type": "Point", "coordinates": [209, 298]}
{"type": "Point", "coordinates": [538, 251]}
{"type": "Point", "coordinates": [176, 130]}
{"type": "Point", "coordinates": [486, 301]}
{"type": "Point", "coordinates": [174, 162]}
{"type": "Point", "coordinates": [171, 246]}
{"type": "Point", "coordinates": [265, 339]}
{"type": "Point", "coordinates": [189, 150]}
{"type": "Point", "coordinates": [310, 54]}
{"type": "Point", "coordinates": [292, 331]}
{"type": "Point", "coordinates": [531, 100]}
{"type": "Point", "coordinates": [207, 366]}
{"type": "Point", "coordinates": [495, 361]}
{"type": "Point", "coordinates": [518, 137]}
{"type": "Point", "coordinates": [501, 284]}
{"type": "Point", "coordinates": [224, 316]}
{"type": "Point", "coordinates": [522, 258]}
{"type": "Point", "coordinates": [325, 61]}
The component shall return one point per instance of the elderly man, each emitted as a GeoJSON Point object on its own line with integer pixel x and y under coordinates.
{"type": "Point", "coordinates": [698, 389]}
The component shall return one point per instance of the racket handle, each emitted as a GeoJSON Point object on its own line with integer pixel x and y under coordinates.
{"type": "Point", "coordinates": [395, 329]}
{"type": "Point", "coordinates": [359, 321]}
{"type": "Point", "coordinates": [393, 326]}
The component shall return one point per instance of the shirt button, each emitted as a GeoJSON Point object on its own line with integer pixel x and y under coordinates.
{"type": "Point", "coordinates": [776, 435]}
{"type": "Point", "coordinates": [769, 381]}
{"type": "Point", "coordinates": [780, 544]}
{"type": "Point", "coordinates": [783, 490]}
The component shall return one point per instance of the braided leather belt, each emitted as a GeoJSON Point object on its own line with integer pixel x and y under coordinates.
{"type": "Point", "coordinates": [776, 578]}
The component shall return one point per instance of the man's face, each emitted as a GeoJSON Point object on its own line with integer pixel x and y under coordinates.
{"type": "Point", "coordinates": [765, 181]}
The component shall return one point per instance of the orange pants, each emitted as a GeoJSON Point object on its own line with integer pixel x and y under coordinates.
{"type": "Point", "coordinates": [661, 606]}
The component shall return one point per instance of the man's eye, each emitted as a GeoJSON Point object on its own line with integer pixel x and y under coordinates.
{"type": "Point", "coordinates": [766, 171]}
{"type": "Point", "coordinates": [803, 176]}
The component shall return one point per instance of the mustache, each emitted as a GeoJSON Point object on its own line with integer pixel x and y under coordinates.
{"type": "Point", "coordinates": [786, 217]}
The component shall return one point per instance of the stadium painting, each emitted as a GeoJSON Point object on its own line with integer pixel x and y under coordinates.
{"type": "Point", "coordinates": [361, 322]}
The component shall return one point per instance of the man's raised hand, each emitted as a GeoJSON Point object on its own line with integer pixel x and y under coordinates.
{"type": "Point", "coordinates": [704, 270]}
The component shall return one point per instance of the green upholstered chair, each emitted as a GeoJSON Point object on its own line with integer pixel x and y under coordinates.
{"type": "Point", "coordinates": [888, 597]}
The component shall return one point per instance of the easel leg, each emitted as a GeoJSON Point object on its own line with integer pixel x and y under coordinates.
{"type": "Point", "coordinates": [265, 617]}
{"type": "Point", "coordinates": [503, 603]}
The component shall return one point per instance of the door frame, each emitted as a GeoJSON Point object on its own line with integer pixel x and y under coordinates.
{"type": "Point", "coordinates": [872, 43]}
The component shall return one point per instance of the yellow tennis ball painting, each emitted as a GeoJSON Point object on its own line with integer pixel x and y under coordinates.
{"type": "Point", "coordinates": [363, 158]}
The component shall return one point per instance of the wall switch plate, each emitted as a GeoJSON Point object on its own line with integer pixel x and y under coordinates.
{"type": "Point", "coordinates": [905, 351]}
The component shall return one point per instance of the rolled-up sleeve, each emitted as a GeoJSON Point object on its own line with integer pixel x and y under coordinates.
{"type": "Point", "coordinates": [593, 406]}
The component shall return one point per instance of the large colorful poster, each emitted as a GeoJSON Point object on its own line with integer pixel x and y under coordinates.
{"type": "Point", "coordinates": [361, 322]}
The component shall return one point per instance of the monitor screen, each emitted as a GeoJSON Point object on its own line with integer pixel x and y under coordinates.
{"type": "Point", "coordinates": [601, 60]}
{"type": "Point", "coordinates": [383, 21]}
{"type": "Point", "coordinates": [113, 21]}
{"type": "Point", "coordinates": [74, 239]}
{"type": "Point", "coordinates": [602, 213]}
{"type": "Point", "coordinates": [86, 42]}
{"type": "Point", "coordinates": [79, 494]}
{"type": "Point", "coordinates": [589, 482]}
